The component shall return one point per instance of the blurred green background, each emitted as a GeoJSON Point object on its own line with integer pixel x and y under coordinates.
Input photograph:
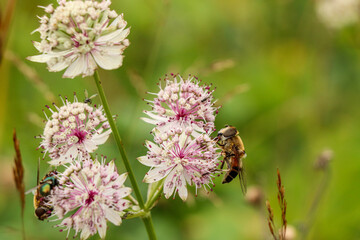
{"type": "Point", "coordinates": [289, 84]}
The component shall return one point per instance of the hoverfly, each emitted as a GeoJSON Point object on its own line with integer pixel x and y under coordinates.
{"type": "Point", "coordinates": [234, 152]}
{"type": "Point", "coordinates": [41, 193]}
{"type": "Point", "coordinates": [42, 209]}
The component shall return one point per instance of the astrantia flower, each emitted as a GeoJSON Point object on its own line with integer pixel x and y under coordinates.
{"type": "Point", "coordinates": [183, 103]}
{"type": "Point", "coordinates": [338, 13]}
{"type": "Point", "coordinates": [73, 129]}
{"type": "Point", "coordinates": [80, 35]}
{"type": "Point", "coordinates": [89, 194]}
{"type": "Point", "coordinates": [181, 159]}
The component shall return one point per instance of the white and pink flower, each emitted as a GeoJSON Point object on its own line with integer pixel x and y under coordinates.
{"type": "Point", "coordinates": [181, 159]}
{"type": "Point", "coordinates": [89, 194]}
{"type": "Point", "coordinates": [76, 128]}
{"type": "Point", "coordinates": [183, 103]}
{"type": "Point", "coordinates": [337, 14]}
{"type": "Point", "coordinates": [81, 35]}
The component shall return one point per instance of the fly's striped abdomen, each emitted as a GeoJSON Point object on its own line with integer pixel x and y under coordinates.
{"type": "Point", "coordinates": [230, 175]}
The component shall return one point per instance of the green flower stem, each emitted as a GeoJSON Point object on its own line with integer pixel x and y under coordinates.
{"type": "Point", "coordinates": [147, 219]}
{"type": "Point", "coordinates": [149, 225]}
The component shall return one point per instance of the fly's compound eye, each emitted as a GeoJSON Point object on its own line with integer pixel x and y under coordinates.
{"type": "Point", "coordinates": [230, 132]}
{"type": "Point", "coordinates": [45, 189]}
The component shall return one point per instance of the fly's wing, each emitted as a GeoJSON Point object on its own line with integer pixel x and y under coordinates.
{"type": "Point", "coordinates": [242, 177]}
{"type": "Point", "coordinates": [239, 154]}
{"type": "Point", "coordinates": [31, 190]}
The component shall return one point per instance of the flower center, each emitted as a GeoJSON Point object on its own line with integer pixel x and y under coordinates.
{"type": "Point", "coordinates": [177, 160]}
{"type": "Point", "coordinates": [181, 114]}
{"type": "Point", "coordinates": [91, 197]}
{"type": "Point", "coordinates": [81, 135]}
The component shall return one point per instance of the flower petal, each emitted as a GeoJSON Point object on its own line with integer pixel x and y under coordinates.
{"type": "Point", "coordinates": [121, 179]}
{"type": "Point", "coordinates": [155, 116]}
{"type": "Point", "coordinates": [75, 68]}
{"type": "Point", "coordinates": [150, 162]}
{"type": "Point", "coordinates": [115, 36]}
{"type": "Point", "coordinates": [169, 184]}
{"type": "Point", "coordinates": [43, 58]}
{"type": "Point", "coordinates": [116, 21]}
{"type": "Point", "coordinates": [153, 147]}
{"type": "Point", "coordinates": [156, 174]}
{"type": "Point", "coordinates": [71, 154]}
{"type": "Point", "coordinates": [85, 233]}
{"type": "Point", "coordinates": [101, 138]}
{"type": "Point", "coordinates": [61, 65]}
{"type": "Point", "coordinates": [181, 187]}
{"type": "Point", "coordinates": [124, 191]}
{"type": "Point", "coordinates": [148, 120]}
{"type": "Point", "coordinates": [107, 61]}
{"type": "Point", "coordinates": [102, 226]}
{"type": "Point", "coordinates": [112, 216]}
{"type": "Point", "coordinates": [90, 145]}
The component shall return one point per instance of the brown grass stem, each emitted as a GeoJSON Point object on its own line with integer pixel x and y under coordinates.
{"type": "Point", "coordinates": [283, 206]}
{"type": "Point", "coordinates": [18, 171]}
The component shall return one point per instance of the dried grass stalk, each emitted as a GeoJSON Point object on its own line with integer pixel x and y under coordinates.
{"type": "Point", "coordinates": [283, 207]}
{"type": "Point", "coordinates": [270, 220]}
{"type": "Point", "coordinates": [283, 204]}
{"type": "Point", "coordinates": [18, 171]}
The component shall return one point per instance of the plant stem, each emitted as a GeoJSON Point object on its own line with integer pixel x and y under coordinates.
{"type": "Point", "coordinates": [305, 228]}
{"type": "Point", "coordinates": [147, 220]}
{"type": "Point", "coordinates": [149, 225]}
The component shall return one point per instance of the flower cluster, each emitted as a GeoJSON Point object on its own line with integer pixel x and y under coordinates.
{"type": "Point", "coordinates": [183, 153]}
{"type": "Point", "coordinates": [80, 35]}
{"type": "Point", "coordinates": [89, 194]}
{"type": "Point", "coordinates": [183, 103]}
{"type": "Point", "coordinates": [76, 128]}
{"type": "Point", "coordinates": [181, 159]}
{"type": "Point", "coordinates": [338, 13]}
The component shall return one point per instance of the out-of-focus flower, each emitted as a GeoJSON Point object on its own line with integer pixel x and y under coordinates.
{"type": "Point", "coordinates": [80, 35]}
{"type": "Point", "coordinates": [290, 233]}
{"type": "Point", "coordinates": [93, 193]}
{"type": "Point", "coordinates": [338, 13]}
{"type": "Point", "coordinates": [73, 129]}
{"type": "Point", "coordinates": [181, 159]}
{"type": "Point", "coordinates": [255, 196]}
{"type": "Point", "coordinates": [183, 103]}
{"type": "Point", "coordinates": [324, 159]}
